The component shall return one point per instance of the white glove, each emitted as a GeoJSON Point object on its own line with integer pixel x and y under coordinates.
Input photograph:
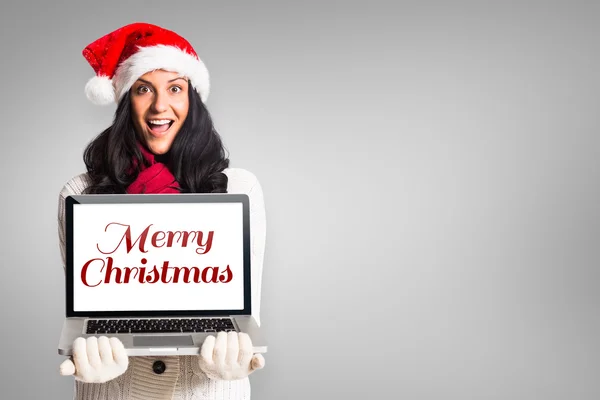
{"type": "Point", "coordinates": [96, 360]}
{"type": "Point", "coordinates": [229, 356]}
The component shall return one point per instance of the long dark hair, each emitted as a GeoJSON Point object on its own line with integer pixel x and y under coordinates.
{"type": "Point", "coordinates": [196, 158]}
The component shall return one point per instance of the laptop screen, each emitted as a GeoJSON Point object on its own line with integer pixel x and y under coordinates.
{"type": "Point", "coordinates": [157, 258]}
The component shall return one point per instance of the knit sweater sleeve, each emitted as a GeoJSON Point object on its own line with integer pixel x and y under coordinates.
{"type": "Point", "coordinates": [244, 182]}
{"type": "Point", "coordinates": [73, 187]}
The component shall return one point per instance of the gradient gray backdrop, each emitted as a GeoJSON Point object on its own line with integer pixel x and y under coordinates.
{"type": "Point", "coordinates": [431, 177]}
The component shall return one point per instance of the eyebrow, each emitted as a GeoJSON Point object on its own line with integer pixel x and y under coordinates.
{"type": "Point", "coordinates": [172, 80]}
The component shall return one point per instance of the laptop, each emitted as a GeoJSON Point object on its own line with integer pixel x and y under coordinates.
{"type": "Point", "coordinates": [160, 272]}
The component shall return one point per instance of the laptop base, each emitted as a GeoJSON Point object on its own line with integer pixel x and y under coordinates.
{"type": "Point", "coordinates": [151, 344]}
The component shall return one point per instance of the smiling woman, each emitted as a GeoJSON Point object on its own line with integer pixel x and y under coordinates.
{"type": "Point", "coordinates": [162, 140]}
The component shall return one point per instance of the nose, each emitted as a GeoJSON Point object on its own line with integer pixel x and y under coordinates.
{"type": "Point", "coordinates": [160, 103]}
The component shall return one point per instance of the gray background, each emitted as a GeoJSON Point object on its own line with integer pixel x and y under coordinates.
{"type": "Point", "coordinates": [430, 173]}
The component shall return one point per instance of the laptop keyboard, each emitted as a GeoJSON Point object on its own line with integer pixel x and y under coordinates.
{"type": "Point", "coordinates": [155, 325]}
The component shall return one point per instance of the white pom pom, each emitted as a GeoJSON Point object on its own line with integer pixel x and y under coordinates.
{"type": "Point", "coordinates": [99, 90]}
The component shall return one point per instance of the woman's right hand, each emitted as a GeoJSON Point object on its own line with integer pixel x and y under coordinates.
{"type": "Point", "coordinates": [96, 360]}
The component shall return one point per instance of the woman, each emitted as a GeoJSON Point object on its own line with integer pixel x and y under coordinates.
{"type": "Point", "coordinates": [162, 140]}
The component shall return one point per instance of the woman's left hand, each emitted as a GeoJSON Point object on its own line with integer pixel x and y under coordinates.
{"type": "Point", "coordinates": [229, 356]}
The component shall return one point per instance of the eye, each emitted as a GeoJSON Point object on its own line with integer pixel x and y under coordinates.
{"type": "Point", "coordinates": [175, 89]}
{"type": "Point", "coordinates": [143, 89]}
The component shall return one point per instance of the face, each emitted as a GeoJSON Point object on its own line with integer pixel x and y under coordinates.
{"type": "Point", "coordinates": [159, 104]}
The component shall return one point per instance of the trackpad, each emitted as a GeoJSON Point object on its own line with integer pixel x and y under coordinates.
{"type": "Point", "coordinates": [167, 341]}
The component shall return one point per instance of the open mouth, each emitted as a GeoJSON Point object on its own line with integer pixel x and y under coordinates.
{"type": "Point", "coordinates": [159, 126]}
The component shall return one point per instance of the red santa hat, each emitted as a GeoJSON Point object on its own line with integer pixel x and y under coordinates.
{"type": "Point", "coordinates": [121, 57]}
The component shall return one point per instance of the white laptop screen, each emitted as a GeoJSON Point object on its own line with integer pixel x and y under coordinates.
{"type": "Point", "coordinates": [157, 257]}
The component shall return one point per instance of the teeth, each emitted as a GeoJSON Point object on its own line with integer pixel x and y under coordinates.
{"type": "Point", "coordinates": [160, 121]}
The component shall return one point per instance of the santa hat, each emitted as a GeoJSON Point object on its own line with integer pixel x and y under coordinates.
{"type": "Point", "coordinates": [121, 57]}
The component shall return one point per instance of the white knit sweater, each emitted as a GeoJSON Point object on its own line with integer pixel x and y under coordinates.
{"type": "Point", "coordinates": [182, 379]}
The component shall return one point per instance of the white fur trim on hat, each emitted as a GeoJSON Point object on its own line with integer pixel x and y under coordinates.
{"type": "Point", "coordinates": [100, 90]}
{"type": "Point", "coordinates": [168, 58]}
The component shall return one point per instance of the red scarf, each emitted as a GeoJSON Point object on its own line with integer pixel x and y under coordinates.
{"type": "Point", "coordinates": [153, 179]}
